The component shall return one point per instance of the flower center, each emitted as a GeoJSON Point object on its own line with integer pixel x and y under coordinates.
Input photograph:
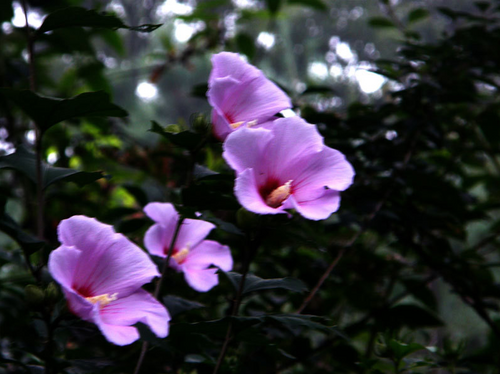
{"type": "Point", "coordinates": [180, 256]}
{"type": "Point", "coordinates": [278, 195]}
{"type": "Point", "coordinates": [103, 300]}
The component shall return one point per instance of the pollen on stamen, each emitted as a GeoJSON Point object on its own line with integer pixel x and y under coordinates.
{"type": "Point", "coordinates": [235, 125]}
{"type": "Point", "coordinates": [280, 194]}
{"type": "Point", "coordinates": [252, 123]}
{"type": "Point", "coordinates": [180, 256]}
{"type": "Point", "coordinates": [103, 300]}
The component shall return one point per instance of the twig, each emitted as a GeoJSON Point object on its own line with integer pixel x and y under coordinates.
{"type": "Point", "coordinates": [364, 227]}
{"type": "Point", "coordinates": [145, 345]}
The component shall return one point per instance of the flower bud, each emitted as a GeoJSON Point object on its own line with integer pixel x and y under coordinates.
{"type": "Point", "coordinates": [51, 292]}
{"type": "Point", "coordinates": [34, 295]}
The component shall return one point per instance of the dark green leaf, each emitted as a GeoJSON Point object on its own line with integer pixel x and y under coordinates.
{"type": "Point", "coordinates": [6, 11]}
{"type": "Point", "coordinates": [28, 243]}
{"type": "Point", "coordinates": [315, 4]}
{"type": "Point", "coordinates": [319, 90]}
{"type": "Point", "coordinates": [401, 350]}
{"type": "Point", "coordinates": [176, 305]}
{"type": "Point", "coordinates": [46, 111]}
{"type": "Point", "coordinates": [185, 139]}
{"type": "Point", "coordinates": [296, 322]}
{"type": "Point", "coordinates": [412, 316]}
{"type": "Point", "coordinates": [254, 283]}
{"type": "Point", "coordinates": [380, 22]}
{"type": "Point", "coordinates": [246, 45]}
{"type": "Point", "coordinates": [482, 5]}
{"type": "Point", "coordinates": [25, 162]}
{"type": "Point", "coordinates": [203, 197]}
{"type": "Point", "coordinates": [81, 17]}
{"type": "Point", "coordinates": [202, 173]}
{"type": "Point", "coordinates": [417, 15]}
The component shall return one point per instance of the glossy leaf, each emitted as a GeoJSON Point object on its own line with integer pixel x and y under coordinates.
{"type": "Point", "coordinates": [47, 111]}
{"type": "Point", "coordinates": [81, 17]}
{"type": "Point", "coordinates": [25, 162]}
{"type": "Point", "coordinates": [254, 283]}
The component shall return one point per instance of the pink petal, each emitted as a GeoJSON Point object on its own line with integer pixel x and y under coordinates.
{"type": "Point", "coordinates": [246, 148]}
{"type": "Point", "coordinates": [294, 142]}
{"type": "Point", "coordinates": [62, 265]}
{"type": "Point", "coordinates": [319, 208]}
{"type": "Point", "coordinates": [192, 232]}
{"type": "Point", "coordinates": [201, 280]}
{"type": "Point", "coordinates": [155, 239]}
{"type": "Point", "coordinates": [138, 307]}
{"type": "Point", "coordinates": [84, 232]}
{"type": "Point", "coordinates": [120, 267]}
{"type": "Point", "coordinates": [207, 253]}
{"type": "Point", "coordinates": [246, 191]}
{"type": "Point", "coordinates": [78, 305]}
{"type": "Point", "coordinates": [162, 213]}
{"type": "Point", "coordinates": [221, 128]}
{"type": "Point", "coordinates": [231, 64]}
{"type": "Point", "coordinates": [116, 334]}
{"type": "Point", "coordinates": [326, 168]}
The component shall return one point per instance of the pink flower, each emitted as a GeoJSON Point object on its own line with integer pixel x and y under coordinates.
{"type": "Point", "coordinates": [191, 254]}
{"type": "Point", "coordinates": [101, 273]}
{"type": "Point", "coordinates": [287, 167]}
{"type": "Point", "coordinates": [240, 93]}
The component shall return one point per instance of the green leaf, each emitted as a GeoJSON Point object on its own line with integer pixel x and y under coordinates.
{"type": "Point", "coordinates": [401, 350]}
{"type": "Point", "coordinates": [47, 111]}
{"type": "Point", "coordinates": [254, 283]}
{"type": "Point", "coordinates": [199, 90]}
{"type": "Point", "coordinates": [202, 173]}
{"type": "Point", "coordinates": [25, 162]}
{"type": "Point", "coordinates": [417, 15]}
{"type": "Point", "coordinates": [29, 243]}
{"type": "Point", "coordinates": [315, 4]}
{"type": "Point", "coordinates": [296, 322]}
{"type": "Point", "coordinates": [81, 17]}
{"type": "Point", "coordinates": [246, 45]}
{"type": "Point", "coordinates": [185, 139]}
{"type": "Point", "coordinates": [380, 22]}
{"type": "Point", "coordinates": [325, 90]}
{"type": "Point", "coordinates": [176, 305]}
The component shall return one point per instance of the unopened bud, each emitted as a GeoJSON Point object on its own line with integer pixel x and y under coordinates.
{"type": "Point", "coordinates": [34, 295]}
{"type": "Point", "coordinates": [51, 292]}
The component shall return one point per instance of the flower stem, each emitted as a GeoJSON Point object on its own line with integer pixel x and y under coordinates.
{"type": "Point", "coordinates": [145, 345]}
{"type": "Point", "coordinates": [252, 250]}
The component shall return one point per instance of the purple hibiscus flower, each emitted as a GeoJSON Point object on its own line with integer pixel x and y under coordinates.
{"type": "Point", "coordinates": [101, 274]}
{"type": "Point", "coordinates": [191, 254]}
{"type": "Point", "coordinates": [287, 167]}
{"type": "Point", "coordinates": [240, 93]}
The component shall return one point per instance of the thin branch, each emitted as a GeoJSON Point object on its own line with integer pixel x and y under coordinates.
{"type": "Point", "coordinates": [254, 244]}
{"type": "Point", "coordinates": [364, 227]}
{"type": "Point", "coordinates": [157, 292]}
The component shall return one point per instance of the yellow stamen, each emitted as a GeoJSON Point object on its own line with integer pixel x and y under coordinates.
{"type": "Point", "coordinates": [180, 256]}
{"type": "Point", "coordinates": [280, 194]}
{"type": "Point", "coordinates": [251, 123]}
{"type": "Point", "coordinates": [103, 300]}
{"type": "Point", "coordinates": [235, 125]}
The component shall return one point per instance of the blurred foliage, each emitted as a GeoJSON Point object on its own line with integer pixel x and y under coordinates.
{"type": "Point", "coordinates": [416, 285]}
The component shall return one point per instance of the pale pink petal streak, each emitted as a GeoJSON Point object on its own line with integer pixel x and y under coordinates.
{"type": "Point", "coordinates": [210, 252]}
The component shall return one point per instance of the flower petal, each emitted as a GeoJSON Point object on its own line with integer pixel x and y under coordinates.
{"type": "Point", "coordinates": [246, 191]}
{"type": "Point", "coordinates": [201, 280]}
{"type": "Point", "coordinates": [231, 64]}
{"type": "Point", "coordinates": [120, 267]}
{"type": "Point", "coordinates": [192, 232]}
{"type": "Point", "coordinates": [162, 213]}
{"type": "Point", "coordinates": [62, 265]}
{"type": "Point", "coordinates": [207, 253]}
{"type": "Point", "coordinates": [116, 334]}
{"type": "Point", "coordinates": [326, 168]}
{"type": "Point", "coordinates": [78, 305]}
{"type": "Point", "coordinates": [245, 148]}
{"type": "Point", "coordinates": [319, 208]}
{"type": "Point", "coordinates": [84, 232]}
{"type": "Point", "coordinates": [155, 239]}
{"type": "Point", "coordinates": [140, 306]}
